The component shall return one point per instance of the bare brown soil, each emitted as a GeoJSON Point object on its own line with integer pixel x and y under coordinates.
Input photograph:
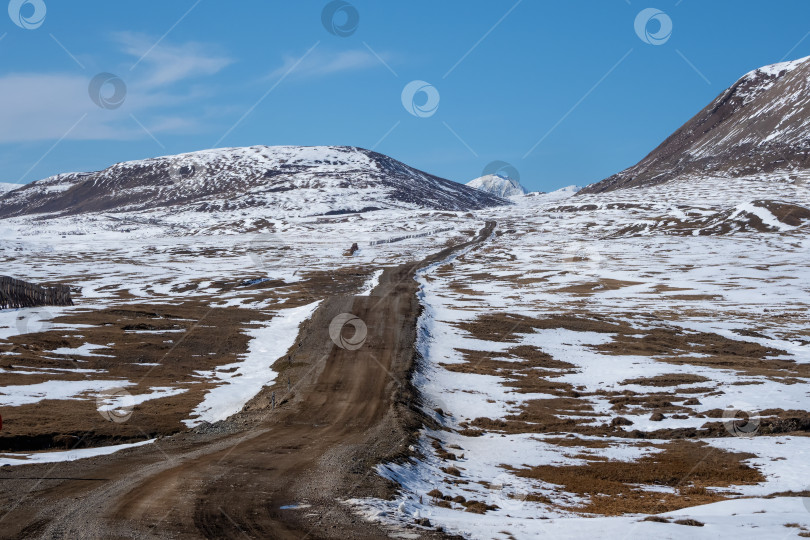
{"type": "Point", "coordinates": [675, 346]}
{"type": "Point", "coordinates": [148, 344]}
{"type": "Point", "coordinates": [167, 356]}
{"type": "Point", "coordinates": [504, 327]}
{"type": "Point", "coordinates": [530, 370]}
{"type": "Point", "coordinates": [583, 289]}
{"type": "Point", "coordinates": [341, 413]}
{"type": "Point", "coordinates": [668, 379]}
{"type": "Point", "coordinates": [721, 223]}
{"type": "Point", "coordinates": [685, 472]}
{"type": "Point", "coordinates": [688, 467]}
{"type": "Point", "coordinates": [666, 344]}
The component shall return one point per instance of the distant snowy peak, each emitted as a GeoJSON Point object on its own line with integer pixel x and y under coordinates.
{"type": "Point", "coordinates": [498, 185]}
{"type": "Point", "coordinates": [757, 125]}
{"type": "Point", "coordinates": [258, 180]}
{"type": "Point", "coordinates": [5, 187]}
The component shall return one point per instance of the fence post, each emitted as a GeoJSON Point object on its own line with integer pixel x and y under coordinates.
{"type": "Point", "coordinates": [16, 293]}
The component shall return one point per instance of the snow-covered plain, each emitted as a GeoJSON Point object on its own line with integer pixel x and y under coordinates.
{"type": "Point", "coordinates": [267, 271]}
{"type": "Point", "coordinates": [640, 260]}
{"type": "Point", "coordinates": [578, 257]}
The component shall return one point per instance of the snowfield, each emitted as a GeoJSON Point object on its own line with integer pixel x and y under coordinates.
{"type": "Point", "coordinates": [143, 289]}
{"type": "Point", "coordinates": [571, 258]}
{"type": "Point", "coordinates": [600, 359]}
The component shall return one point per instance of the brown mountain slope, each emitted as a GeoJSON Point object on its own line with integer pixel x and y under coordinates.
{"type": "Point", "coordinates": [759, 124]}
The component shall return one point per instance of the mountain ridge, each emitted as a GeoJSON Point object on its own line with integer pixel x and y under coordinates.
{"type": "Point", "coordinates": [756, 125]}
{"type": "Point", "coordinates": [294, 179]}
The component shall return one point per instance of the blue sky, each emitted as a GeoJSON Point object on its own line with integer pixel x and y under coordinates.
{"type": "Point", "coordinates": [565, 91]}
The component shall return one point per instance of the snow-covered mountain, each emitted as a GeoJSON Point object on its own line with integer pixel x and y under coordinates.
{"type": "Point", "coordinates": [758, 125]}
{"type": "Point", "coordinates": [5, 187]}
{"type": "Point", "coordinates": [500, 186]}
{"type": "Point", "coordinates": [289, 179]}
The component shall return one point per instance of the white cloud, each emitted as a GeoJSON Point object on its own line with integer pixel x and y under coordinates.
{"type": "Point", "coordinates": [165, 63]}
{"type": "Point", "coordinates": [321, 63]}
{"type": "Point", "coordinates": [35, 107]}
{"type": "Point", "coordinates": [52, 106]}
{"type": "Point", "coordinates": [45, 106]}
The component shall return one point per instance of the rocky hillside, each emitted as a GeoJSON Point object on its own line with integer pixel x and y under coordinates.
{"type": "Point", "coordinates": [259, 179]}
{"type": "Point", "coordinates": [759, 124]}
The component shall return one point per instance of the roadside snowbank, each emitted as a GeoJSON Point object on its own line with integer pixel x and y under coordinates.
{"type": "Point", "coordinates": [67, 455]}
{"type": "Point", "coordinates": [243, 380]}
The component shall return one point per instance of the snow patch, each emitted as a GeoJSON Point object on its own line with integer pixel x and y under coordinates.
{"type": "Point", "coordinates": [243, 380]}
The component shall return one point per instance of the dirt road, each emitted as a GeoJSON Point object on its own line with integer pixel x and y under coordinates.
{"type": "Point", "coordinates": [267, 472]}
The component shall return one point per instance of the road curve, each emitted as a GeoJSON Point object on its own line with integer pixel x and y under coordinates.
{"type": "Point", "coordinates": [274, 473]}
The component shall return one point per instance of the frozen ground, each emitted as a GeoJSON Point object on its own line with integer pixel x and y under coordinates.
{"type": "Point", "coordinates": [599, 360]}
{"type": "Point", "coordinates": [572, 317]}
{"type": "Point", "coordinates": [184, 326]}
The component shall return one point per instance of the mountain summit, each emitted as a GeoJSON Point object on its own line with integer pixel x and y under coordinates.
{"type": "Point", "coordinates": [290, 180]}
{"type": "Point", "coordinates": [759, 124]}
{"type": "Point", "coordinates": [498, 185]}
